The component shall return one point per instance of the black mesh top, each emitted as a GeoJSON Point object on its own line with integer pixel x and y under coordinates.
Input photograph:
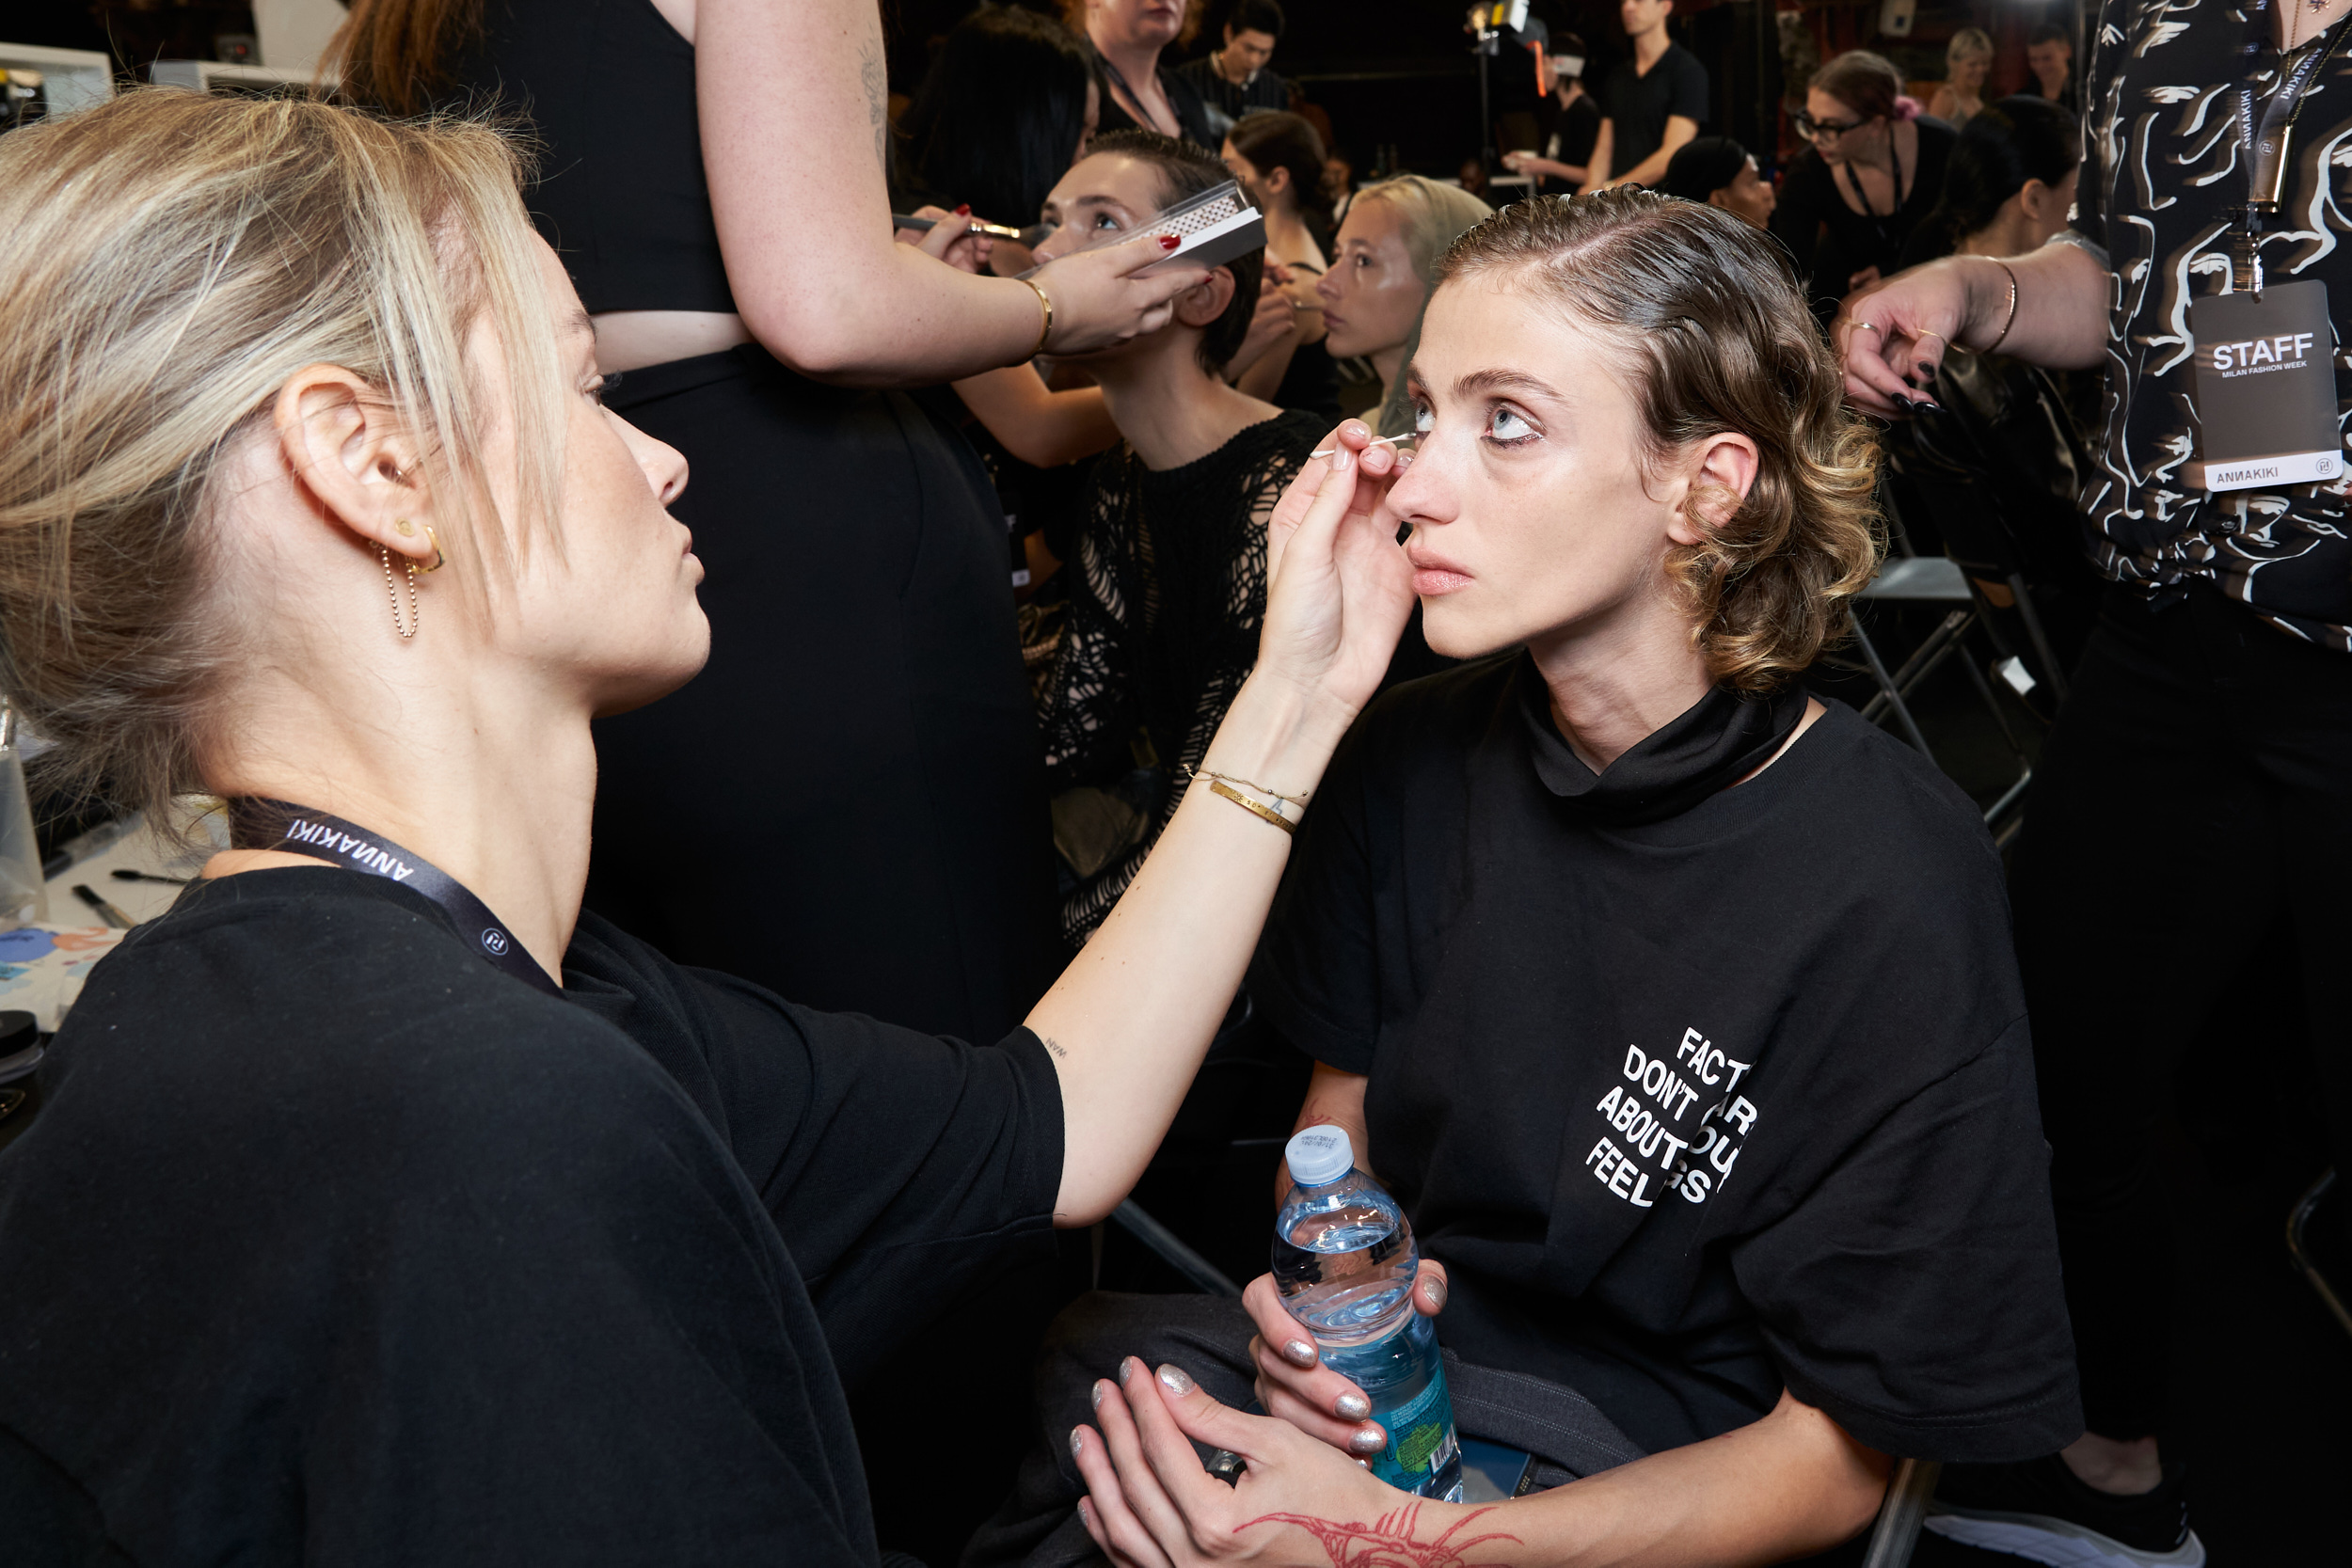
{"type": "Point", "coordinates": [608, 85]}
{"type": "Point", "coordinates": [1166, 594]}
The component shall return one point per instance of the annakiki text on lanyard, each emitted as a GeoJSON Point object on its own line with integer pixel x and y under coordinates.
{"type": "Point", "coordinates": [255, 823]}
{"type": "Point", "coordinates": [2266, 374]}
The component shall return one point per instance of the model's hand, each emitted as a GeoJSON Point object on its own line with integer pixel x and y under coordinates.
{"type": "Point", "coordinates": [1892, 338]}
{"type": "Point", "coordinates": [1101, 296]}
{"type": "Point", "coordinates": [1294, 1385]}
{"type": "Point", "coordinates": [1151, 1505]}
{"type": "Point", "coordinates": [1274, 321]}
{"type": "Point", "coordinates": [1517, 162]}
{"type": "Point", "coordinates": [1338, 585]}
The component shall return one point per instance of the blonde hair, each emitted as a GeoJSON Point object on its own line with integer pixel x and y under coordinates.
{"type": "Point", "coordinates": [1705, 311]}
{"type": "Point", "coordinates": [1969, 43]}
{"type": "Point", "coordinates": [1434, 216]}
{"type": "Point", "coordinates": [168, 259]}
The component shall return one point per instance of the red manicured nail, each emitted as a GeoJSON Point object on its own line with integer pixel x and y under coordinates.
{"type": "Point", "coordinates": [1170, 242]}
{"type": "Point", "coordinates": [965, 210]}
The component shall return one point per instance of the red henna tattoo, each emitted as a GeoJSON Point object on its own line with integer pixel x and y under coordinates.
{"type": "Point", "coordinates": [1388, 1542]}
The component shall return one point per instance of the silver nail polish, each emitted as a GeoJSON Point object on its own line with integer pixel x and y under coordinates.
{"type": "Point", "coordinates": [1435, 1289]}
{"type": "Point", "coordinates": [1352, 1407]}
{"type": "Point", "coordinates": [1299, 1352]}
{"type": "Point", "coordinates": [1174, 1380]}
{"type": "Point", "coordinates": [1097, 1393]}
{"type": "Point", "coordinates": [1126, 1370]}
{"type": "Point", "coordinates": [1369, 1441]}
{"type": "Point", "coordinates": [1077, 1441]}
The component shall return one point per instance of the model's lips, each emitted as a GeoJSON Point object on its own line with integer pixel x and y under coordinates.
{"type": "Point", "coordinates": [1433, 577]}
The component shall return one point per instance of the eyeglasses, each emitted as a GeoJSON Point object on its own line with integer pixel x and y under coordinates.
{"type": "Point", "coordinates": [1823, 130]}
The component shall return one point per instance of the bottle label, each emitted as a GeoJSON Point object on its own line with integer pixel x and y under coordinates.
{"type": "Point", "coordinates": [1421, 1437]}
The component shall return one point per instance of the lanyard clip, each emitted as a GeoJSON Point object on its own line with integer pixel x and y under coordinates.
{"type": "Point", "coordinates": [2246, 270]}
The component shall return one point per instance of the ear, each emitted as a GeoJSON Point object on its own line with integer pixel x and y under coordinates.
{"type": "Point", "coordinates": [1206, 300]}
{"type": "Point", "coordinates": [1720, 199]}
{"type": "Point", "coordinates": [2033, 198]}
{"type": "Point", "coordinates": [1724, 463]}
{"type": "Point", "coordinates": [1275, 180]}
{"type": "Point", "coordinates": [355, 459]}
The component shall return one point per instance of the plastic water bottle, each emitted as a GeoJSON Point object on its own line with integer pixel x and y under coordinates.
{"type": "Point", "coordinates": [1344, 1260]}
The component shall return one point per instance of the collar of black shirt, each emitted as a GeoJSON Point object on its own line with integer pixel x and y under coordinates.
{"type": "Point", "coordinates": [1722, 737]}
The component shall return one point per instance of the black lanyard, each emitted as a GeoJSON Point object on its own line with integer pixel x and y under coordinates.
{"type": "Point", "coordinates": [2268, 137]}
{"type": "Point", "coordinates": [255, 823]}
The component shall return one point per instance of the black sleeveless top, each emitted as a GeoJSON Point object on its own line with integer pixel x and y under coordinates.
{"type": "Point", "coordinates": [636, 233]}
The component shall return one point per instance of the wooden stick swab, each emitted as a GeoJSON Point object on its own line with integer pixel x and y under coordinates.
{"type": "Point", "coordinates": [1376, 441]}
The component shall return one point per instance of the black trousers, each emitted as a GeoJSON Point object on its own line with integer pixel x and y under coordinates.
{"type": "Point", "coordinates": [2197, 789]}
{"type": "Point", "coordinates": [1209, 1337]}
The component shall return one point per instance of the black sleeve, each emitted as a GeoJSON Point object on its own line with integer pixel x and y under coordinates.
{"type": "Point", "coordinates": [1914, 1295]}
{"type": "Point", "coordinates": [1316, 975]}
{"type": "Point", "coordinates": [902, 1170]}
{"type": "Point", "coordinates": [1690, 91]}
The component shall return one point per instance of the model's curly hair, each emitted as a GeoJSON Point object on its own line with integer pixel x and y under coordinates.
{"type": "Point", "coordinates": [1707, 318]}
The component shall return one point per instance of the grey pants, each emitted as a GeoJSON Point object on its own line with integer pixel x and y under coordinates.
{"type": "Point", "coordinates": [1209, 1337]}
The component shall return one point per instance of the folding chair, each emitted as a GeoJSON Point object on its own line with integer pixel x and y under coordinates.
{"type": "Point", "coordinates": [1896, 1533]}
{"type": "Point", "coordinates": [2298, 1223]}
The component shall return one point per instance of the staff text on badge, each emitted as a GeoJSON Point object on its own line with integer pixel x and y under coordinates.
{"type": "Point", "coordinates": [2266, 390]}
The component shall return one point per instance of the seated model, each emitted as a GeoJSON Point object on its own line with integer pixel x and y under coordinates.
{"type": "Point", "coordinates": [1168, 586]}
{"type": "Point", "coordinates": [1676, 1006]}
{"type": "Point", "coordinates": [361, 1224]}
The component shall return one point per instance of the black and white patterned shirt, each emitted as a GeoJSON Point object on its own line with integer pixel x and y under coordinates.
{"type": "Point", "coordinates": [2163, 185]}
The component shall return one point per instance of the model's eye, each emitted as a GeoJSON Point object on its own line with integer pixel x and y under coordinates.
{"type": "Point", "coordinates": [1424, 421]}
{"type": "Point", "coordinates": [1508, 427]}
{"type": "Point", "coordinates": [601, 387]}
{"type": "Point", "coordinates": [1103, 220]}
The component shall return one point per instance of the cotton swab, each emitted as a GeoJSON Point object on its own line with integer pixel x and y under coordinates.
{"type": "Point", "coordinates": [1376, 441]}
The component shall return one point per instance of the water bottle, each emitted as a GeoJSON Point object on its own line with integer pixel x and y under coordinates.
{"type": "Point", "coordinates": [1345, 1261]}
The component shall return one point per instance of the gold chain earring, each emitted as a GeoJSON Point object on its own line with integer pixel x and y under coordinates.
{"type": "Point", "coordinates": [392, 586]}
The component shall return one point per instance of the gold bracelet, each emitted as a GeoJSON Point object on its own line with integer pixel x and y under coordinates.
{"type": "Point", "coordinates": [1299, 800]}
{"type": "Point", "coordinates": [1221, 787]}
{"type": "Point", "coordinates": [2013, 304]}
{"type": "Point", "coordinates": [1045, 317]}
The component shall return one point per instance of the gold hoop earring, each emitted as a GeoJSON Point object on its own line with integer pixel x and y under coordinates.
{"type": "Point", "coordinates": [392, 586]}
{"type": "Point", "coordinates": [440, 560]}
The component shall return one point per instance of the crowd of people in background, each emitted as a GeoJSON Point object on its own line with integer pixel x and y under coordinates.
{"type": "Point", "coordinates": [1022, 583]}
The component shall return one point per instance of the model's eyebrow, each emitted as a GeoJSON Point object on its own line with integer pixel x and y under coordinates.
{"type": "Point", "coordinates": [581, 322]}
{"type": "Point", "coordinates": [1492, 381]}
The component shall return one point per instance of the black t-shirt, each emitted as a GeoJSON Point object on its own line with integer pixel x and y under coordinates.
{"type": "Point", "coordinates": [333, 1243]}
{"type": "Point", "coordinates": [1693, 1109]}
{"type": "Point", "coordinates": [1567, 132]}
{"type": "Point", "coordinates": [1192, 112]}
{"type": "Point", "coordinates": [1637, 106]}
{"type": "Point", "coordinates": [1227, 101]}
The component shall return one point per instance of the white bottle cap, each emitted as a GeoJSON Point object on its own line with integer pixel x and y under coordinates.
{"type": "Point", "coordinates": [1318, 1155]}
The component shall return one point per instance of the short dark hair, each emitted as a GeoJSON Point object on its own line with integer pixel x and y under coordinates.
{"type": "Point", "coordinates": [1275, 138]}
{"type": "Point", "coordinates": [1257, 16]}
{"type": "Point", "coordinates": [2018, 139]}
{"type": "Point", "coordinates": [1703, 165]}
{"type": "Point", "coordinates": [2050, 31]}
{"type": "Point", "coordinates": [998, 117]}
{"type": "Point", "coordinates": [1187, 171]}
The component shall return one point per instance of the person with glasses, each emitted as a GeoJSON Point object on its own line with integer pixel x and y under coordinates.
{"type": "Point", "coordinates": [1875, 169]}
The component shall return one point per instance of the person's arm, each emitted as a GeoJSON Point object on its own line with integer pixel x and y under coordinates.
{"type": "Point", "coordinates": [1272, 334]}
{"type": "Point", "coordinates": [1130, 1020]}
{"type": "Point", "coordinates": [1894, 337]}
{"type": "Point", "coordinates": [795, 135]}
{"type": "Point", "coordinates": [1680, 129]}
{"type": "Point", "coordinates": [1597, 171]}
{"type": "Point", "coordinates": [1042, 427]}
{"type": "Point", "coordinates": [1788, 1485]}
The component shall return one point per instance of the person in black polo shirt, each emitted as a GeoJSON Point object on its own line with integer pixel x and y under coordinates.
{"type": "Point", "coordinates": [1650, 105]}
{"type": "Point", "coordinates": [1235, 81]}
{"type": "Point", "coordinates": [1676, 1006]}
